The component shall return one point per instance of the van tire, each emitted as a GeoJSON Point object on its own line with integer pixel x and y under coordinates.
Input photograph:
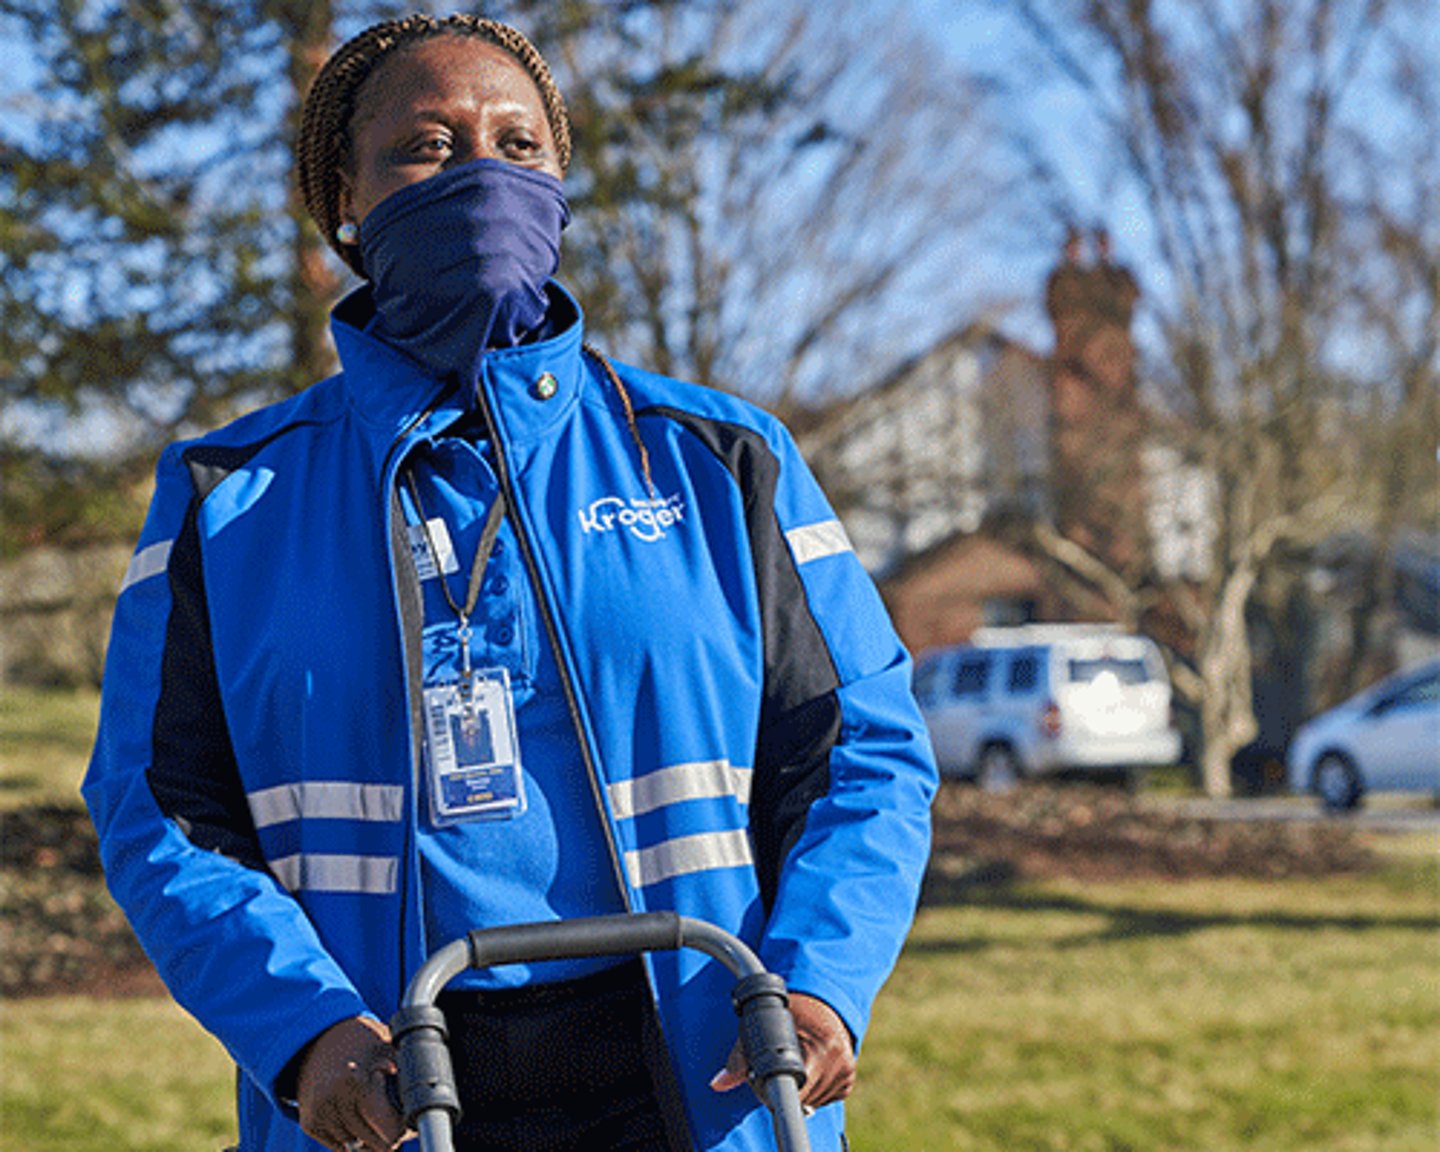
{"type": "Point", "coordinates": [998, 769]}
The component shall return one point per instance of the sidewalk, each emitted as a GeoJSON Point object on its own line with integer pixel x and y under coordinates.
{"type": "Point", "coordinates": [1381, 813]}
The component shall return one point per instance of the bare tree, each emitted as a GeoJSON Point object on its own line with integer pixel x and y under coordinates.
{"type": "Point", "coordinates": [772, 198]}
{"type": "Point", "coordinates": [1241, 127]}
{"type": "Point", "coordinates": [1395, 302]}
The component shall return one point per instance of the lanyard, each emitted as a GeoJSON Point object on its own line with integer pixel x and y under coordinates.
{"type": "Point", "coordinates": [488, 536]}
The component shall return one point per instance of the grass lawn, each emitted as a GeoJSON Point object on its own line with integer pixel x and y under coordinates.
{"type": "Point", "coordinates": [1212, 1015]}
{"type": "Point", "coordinates": [45, 740]}
{"type": "Point", "coordinates": [78, 1074]}
{"type": "Point", "coordinates": [1215, 1015]}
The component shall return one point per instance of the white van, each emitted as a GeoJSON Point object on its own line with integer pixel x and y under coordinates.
{"type": "Point", "coordinates": [1042, 698]}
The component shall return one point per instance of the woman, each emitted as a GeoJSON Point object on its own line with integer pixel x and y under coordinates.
{"type": "Point", "coordinates": [485, 630]}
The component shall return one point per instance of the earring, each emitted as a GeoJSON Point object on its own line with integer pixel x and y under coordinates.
{"type": "Point", "coordinates": [348, 233]}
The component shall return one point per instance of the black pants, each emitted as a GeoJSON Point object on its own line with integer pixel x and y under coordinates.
{"type": "Point", "coordinates": [557, 1067]}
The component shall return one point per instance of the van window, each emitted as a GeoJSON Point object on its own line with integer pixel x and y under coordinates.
{"type": "Point", "coordinates": [971, 675]}
{"type": "Point", "coordinates": [1125, 671]}
{"type": "Point", "coordinates": [927, 680]}
{"type": "Point", "coordinates": [1024, 673]}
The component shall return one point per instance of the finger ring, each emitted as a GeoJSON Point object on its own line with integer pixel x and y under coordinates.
{"type": "Point", "coordinates": [354, 1146]}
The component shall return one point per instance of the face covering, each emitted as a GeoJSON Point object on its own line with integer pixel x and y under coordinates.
{"type": "Point", "coordinates": [458, 262]}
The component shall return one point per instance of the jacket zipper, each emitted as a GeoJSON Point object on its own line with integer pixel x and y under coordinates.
{"type": "Point", "coordinates": [670, 1095]}
{"type": "Point", "coordinates": [552, 632]}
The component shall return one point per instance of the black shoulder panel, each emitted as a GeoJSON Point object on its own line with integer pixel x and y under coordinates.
{"type": "Point", "coordinates": [193, 774]}
{"type": "Point", "coordinates": [800, 712]}
{"type": "Point", "coordinates": [211, 463]}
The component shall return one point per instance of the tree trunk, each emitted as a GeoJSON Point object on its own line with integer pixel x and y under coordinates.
{"type": "Point", "coordinates": [314, 283]}
{"type": "Point", "coordinates": [1227, 708]}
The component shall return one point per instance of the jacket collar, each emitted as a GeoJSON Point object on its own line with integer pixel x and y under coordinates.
{"type": "Point", "coordinates": [530, 388]}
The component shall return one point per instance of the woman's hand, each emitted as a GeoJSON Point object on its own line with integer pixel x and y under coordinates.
{"type": "Point", "coordinates": [825, 1044]}
{"type": "Point", "coordinates": [341, 1088]}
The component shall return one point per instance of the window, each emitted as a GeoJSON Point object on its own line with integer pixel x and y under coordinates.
{"type": "Point", "coordinates": [1004, 611]}
{"type": "Point", "coordinates": [928, 680]}
{"type": "Point", "coordinates": [1424, 691]}
{"type": "Point", "coordinates": [1125, 671]}
{"type": "Point", "coordinates": [972, 674]}
{"type": "Point", "coordinates": [1024, 673]}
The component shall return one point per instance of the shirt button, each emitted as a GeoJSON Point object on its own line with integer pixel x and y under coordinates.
{"type": "Point", "coordinates": [500, 585]}
{"type": "Point", "coordinates": [504, 634]}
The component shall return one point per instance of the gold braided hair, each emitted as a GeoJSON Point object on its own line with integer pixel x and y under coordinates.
{"type": "Point", "coordinates": [324, 147]}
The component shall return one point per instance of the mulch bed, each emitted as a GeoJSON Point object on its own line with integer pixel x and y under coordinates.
{"type": "Point", "coordinates": [1094, 833]}
{"type": "Point", "coordinates": [61, 934]}
{"type": "Point", "coordinates": [59, 930]}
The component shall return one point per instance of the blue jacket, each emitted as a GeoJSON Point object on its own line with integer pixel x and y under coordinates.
{"type": "Point", "coordinates": [742, 703]}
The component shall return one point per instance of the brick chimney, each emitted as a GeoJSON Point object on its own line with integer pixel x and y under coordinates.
{"type": "Point", "coordinates": [1096, 424]}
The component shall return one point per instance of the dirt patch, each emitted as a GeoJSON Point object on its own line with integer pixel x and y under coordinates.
{"type": "Point", "coordinates": [59, 930]}
{"type": "Point", "coordinates": [60, 933]}
{"type": "Point", "coordinates": [1098, 833]}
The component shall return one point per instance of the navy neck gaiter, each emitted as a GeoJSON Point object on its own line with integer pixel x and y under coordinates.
{"type": "Point", "coordinates": [458, 262]}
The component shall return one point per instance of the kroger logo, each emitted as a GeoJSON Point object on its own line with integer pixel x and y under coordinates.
{"type": "Point", "coordinates": [643, 519]}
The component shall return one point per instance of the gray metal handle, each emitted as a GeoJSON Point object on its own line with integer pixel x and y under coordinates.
{"type": "Point", "coordinates": [427, 1083]}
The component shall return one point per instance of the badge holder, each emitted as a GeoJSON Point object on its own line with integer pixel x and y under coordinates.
{"type": "Point", "coordinates": [473, 766]}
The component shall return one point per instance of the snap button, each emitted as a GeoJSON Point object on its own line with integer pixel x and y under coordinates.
{"type": "Point", "coordinates": [545, 386]}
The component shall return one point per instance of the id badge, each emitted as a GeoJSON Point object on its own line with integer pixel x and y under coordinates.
{"type": "Point", "coordinates": [473, 760]}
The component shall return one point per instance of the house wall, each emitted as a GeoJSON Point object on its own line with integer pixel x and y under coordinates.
{"type": "Point", "coordinates": [935, 449]}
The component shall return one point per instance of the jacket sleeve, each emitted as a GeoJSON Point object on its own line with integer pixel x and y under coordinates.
{"type": "Point", "coordinates": [844, 773]}
{"type": "Point", "coordinates": [176, 837]}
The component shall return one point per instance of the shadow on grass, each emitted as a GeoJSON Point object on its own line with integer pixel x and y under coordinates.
{"type": "Point", "coordinates": [996, 885]}
{"type": "Point", "coordinates": [20, 783]}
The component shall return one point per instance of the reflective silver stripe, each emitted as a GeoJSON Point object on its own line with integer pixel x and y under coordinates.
{"type": "Point", "coordinates": [816, 541]}
{"type": "Point", "coordinates": [327, 800]}
{"type": "Point", "coordinates": [149, 561]}
{"type": "Point", "coordinates": [687, 854]}
{"type": "Point", "coordinates": [369, 875]}
{"type": "Point", "coordinates": [701, 780]}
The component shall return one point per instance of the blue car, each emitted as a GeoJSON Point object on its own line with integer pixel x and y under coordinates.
{"type": "Point", "coordinates": [1385, 739]}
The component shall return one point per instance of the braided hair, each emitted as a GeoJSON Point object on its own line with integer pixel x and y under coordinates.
{"type": "Point", "coordinates": [324, 147]}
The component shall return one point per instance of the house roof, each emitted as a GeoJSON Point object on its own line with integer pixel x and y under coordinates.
{"type": "Point", "coordinates": [820, 425]}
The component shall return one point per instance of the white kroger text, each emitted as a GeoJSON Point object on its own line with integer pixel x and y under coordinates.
{"type": "Point", "coordinates": [644, 519]}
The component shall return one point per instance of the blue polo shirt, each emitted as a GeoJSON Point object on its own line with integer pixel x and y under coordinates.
{"type": "Point", "coordinates": [548, 861]}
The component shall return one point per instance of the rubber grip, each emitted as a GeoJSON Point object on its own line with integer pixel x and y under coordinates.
{"type": "Point", "coordinates": [567, 939]}
{"type": "Point", "coordinates": [767, 1030]}
{"type": "Point", "coordinates": [426, 1076]}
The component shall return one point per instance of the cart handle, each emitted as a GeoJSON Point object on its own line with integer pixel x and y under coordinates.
{"type": "Point", "coordinates": [767, 1031]}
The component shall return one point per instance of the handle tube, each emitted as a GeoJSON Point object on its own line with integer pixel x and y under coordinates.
{"type": "Point", "coordinates": [427, 1083]}
{"type": "Point", "coordinates": [782, 1097]}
